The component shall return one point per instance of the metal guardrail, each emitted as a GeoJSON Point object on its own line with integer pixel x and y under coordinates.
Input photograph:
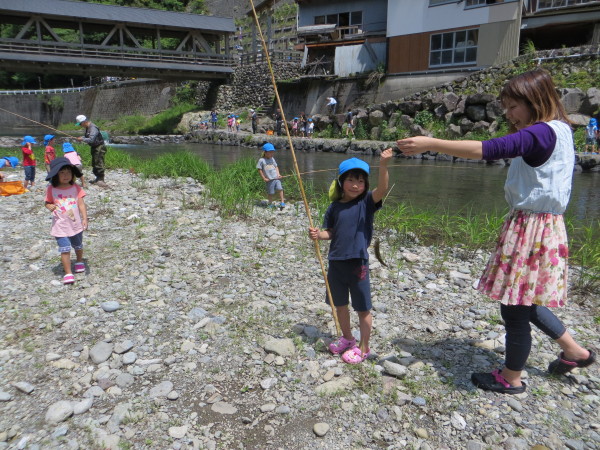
{"type": "Point", "coordinates": [46, 91]}
{"type": "Point", "coordinates": [58, 49]}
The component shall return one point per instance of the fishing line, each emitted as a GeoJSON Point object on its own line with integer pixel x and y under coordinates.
{"type": "Point", "coordinates": [296, 169]}
{"type": "Point", "coordinates": [39, 123]}
{"type": "Point", "coordinates": [390, 165]}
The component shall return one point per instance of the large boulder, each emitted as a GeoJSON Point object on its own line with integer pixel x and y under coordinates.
{"type": "Point", "coordinates": [475, 112]}
{"type": "Point", "coordinates": [494, 110]}
{"type": "Point", "coordinates": [591, 103]}
{"type": "Point", "coordinates": [572, 99]}
{"type": "Point", "coordinates": [479, 99]}
{"type": "Point", "coordinates": [376, 118]}
{"type": "Point", "coordinates": [451, 101]}
{"type": "Point", "coordinates": [410, 107]}
{"type": "Point", "coordinates": [465, 125]}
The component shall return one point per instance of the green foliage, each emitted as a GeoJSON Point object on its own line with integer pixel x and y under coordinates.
{"type": "Point", "coordinates": [361, 131]}
{"type": "Point", "coordinates": [165, 122]}
{"type": "Point", "coordinates": [327, 133]}
{"type": "Point", "coordinates": [56, 103]}
{"type": "Point", "coordinates": [424, 119]}
{"type": "Point", "coordinates": [185, 94]}
{"type": "Point", "coordinates": [579, 139]}
{"type": "Point", "coordinates": [129, 124]}
{"type": "Point", "coordinates": [528, 48]}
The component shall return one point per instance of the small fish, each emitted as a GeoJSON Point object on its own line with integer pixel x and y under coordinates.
{"type": "Point", "coordinates": [377, 249]}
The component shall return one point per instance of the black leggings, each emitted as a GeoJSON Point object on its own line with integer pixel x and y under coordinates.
{"type": "Point", "coordinates": [518, 331]}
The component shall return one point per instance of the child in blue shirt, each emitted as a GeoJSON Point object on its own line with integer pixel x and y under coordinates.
{"type": "Point", "coordinates": [591, 132]}
{"type": "Point", "coordinates": [348, 223]}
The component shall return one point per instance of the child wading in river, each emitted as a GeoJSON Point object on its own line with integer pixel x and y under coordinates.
{"type": "Point", "coordinates": [528, 270]}
{"type": "Point", "coordinates": [348, 223]}
{"type": "Point", "coordinates": [64, 198]}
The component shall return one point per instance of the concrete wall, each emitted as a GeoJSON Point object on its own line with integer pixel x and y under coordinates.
{"type": "Point", "coordinates": [410, 17]}
{"type": "Point", "coordinates": [106, 102]}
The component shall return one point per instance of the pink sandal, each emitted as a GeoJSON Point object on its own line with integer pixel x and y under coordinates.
{"type": "Point", "coordinates": [69, 279]}
{"type": "Point", "coordinates": [355, 356]}
{"type": "Point", "coordinates": [79, 267]}
{"type": "Point", "coordinates": [341, 345]}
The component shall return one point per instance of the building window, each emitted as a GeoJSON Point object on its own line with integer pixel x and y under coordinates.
{"type": "Point", "coordinates": [476, 3]}
{"type": "Point", "coordinates": [348, 23]}
{"type": "Point", "coordinates": [453, 49]}
{"type": "Point", "coordinates": [440, 2]}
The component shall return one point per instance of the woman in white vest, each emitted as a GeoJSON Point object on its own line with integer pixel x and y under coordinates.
{"type": "Point", "coordinates": [527, 272]}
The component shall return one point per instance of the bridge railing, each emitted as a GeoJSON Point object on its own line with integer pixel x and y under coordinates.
{"type": "Point", "coordinates": [46, 91]}
{"type": "Point", "coordinates": [275, 55]}
{"type": "Point", "coordinates": [64, 49]}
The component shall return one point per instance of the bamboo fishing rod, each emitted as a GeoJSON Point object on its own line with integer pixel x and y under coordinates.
{"type": "Point", "coordinates": [297, 170]}
{"type": "Point", "coordinates": [39, 123]}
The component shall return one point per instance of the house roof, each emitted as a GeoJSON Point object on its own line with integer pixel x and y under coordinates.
{"type": "Point", "coordinates": [120, 14]}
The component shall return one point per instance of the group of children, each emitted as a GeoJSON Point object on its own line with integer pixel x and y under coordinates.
{"type": "Point", "coordinates": [30, 163]}
{"type": "Point", "coordinates": [303, 126]}
{"type": "Point", "coordinates": [233, 123]}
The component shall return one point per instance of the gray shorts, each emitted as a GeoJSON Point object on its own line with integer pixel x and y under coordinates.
{"type": "Point", "coordinates": [273, 185]}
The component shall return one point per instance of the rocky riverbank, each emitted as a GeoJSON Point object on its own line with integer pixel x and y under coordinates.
{"type": "Point", "coordinates": [192, 330]}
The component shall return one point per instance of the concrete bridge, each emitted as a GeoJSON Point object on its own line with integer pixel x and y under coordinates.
{"type": "Point", "coordinates": [68, 37]}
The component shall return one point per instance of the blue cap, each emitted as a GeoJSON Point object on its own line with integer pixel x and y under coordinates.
{"type": "Point", "coordinates": [593, 121]}
{"type": "Point", "coordinates": [48, 138]}
{"type": "Point", "coordinates": [13, 161]}
{"type": "Point", "coordinates": [268, 147]}
{"type": "Point", "coordinates": [353, 163]}
{"type": "Point", "coordinates": [295, 118]}
{"type": "Point", "coordinates": [310, 120]}
{"type": "Point", "coordinates": [67, 147]}
{"type": "Point", "coordinates": [28, 140]}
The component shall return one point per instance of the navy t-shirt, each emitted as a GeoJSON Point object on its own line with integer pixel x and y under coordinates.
{"type": "Point", "coordinates": [352, 226]}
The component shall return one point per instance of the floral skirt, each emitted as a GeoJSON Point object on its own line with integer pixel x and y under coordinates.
{"type": "Point", "coordinates": [530, 263]}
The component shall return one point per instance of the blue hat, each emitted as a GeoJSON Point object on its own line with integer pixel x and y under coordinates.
{"type": "Point", "coordinates": [28, 140]}
{"type": "Point", "coordinates": [67, 147]}
{"type": "Point", "coordinates": [13, 161]}
{"type": "Point", "coordinates": [310, 120]}
{"type": "Point", "coordinates": [268, 147]}
{"type": "Point", "coordinates": [295, 118]}
{"type": "Point", "coordinates": [353, 163]}
{"type": "Point", "coordinates": [593, 121]}
{"type": "Point", "coordinates": [48, 138]}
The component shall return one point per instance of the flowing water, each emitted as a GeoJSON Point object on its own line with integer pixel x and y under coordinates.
{"type": "Point", "coordinates": [455, 188]}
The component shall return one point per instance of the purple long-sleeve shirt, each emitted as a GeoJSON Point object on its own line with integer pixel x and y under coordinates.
{"type": "Point", "coordinates": [534, 143]}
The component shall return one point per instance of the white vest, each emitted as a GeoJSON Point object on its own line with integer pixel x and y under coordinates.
{"type": "Point", "coordinates": [547, 188]}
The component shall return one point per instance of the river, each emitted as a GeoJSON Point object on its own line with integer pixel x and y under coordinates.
{"type": "Point", "coordinates": [456, 188]}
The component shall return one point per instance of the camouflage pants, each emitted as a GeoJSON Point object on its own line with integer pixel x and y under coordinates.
{"type": "Point", "coordinates": [98, 154]}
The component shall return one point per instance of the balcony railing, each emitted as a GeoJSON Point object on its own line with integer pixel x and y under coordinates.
{"type": "Point", "coordinates": [543, 5]}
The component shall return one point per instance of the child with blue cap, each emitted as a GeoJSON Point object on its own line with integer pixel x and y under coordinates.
{"type": "Point", "coordinates": [269, 172]}
{"type": "Point", "coordinates": [49, 152]}
{"type": "Point", "coordinates": [348, 223]}
{"type": "Point", "coordinates": [591, 133]}
{"type": "Point", "coordinates": [8, 161]}
{"type": "Point", "coordinates": [28, 161]}
{"type": "Point", "coordinates": [74, 158]}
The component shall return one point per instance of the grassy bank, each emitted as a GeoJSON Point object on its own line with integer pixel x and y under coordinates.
{"type": "Point", "coordinates": [237, 188]}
